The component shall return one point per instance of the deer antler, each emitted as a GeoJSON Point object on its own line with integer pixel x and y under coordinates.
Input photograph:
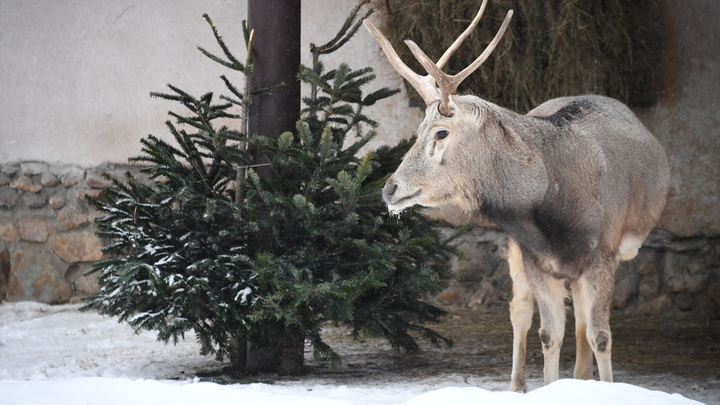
{"type": "Point", "coordinates": [424, 85]}
{"type": "Point", "coordinates": [437, 85]}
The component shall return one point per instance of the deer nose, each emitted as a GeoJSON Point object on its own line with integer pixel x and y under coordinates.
{"type": "Point", "coordinates": [389, 190]}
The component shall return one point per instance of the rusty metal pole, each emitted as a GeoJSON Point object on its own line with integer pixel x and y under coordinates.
{"type": "Point", "coordinates": [276, 55]}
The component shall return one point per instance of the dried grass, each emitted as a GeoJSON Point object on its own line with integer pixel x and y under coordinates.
{"type": "Point", "coordinates": [552, 48]}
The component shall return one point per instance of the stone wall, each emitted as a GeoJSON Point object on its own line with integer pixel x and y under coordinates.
{"type": "Point", "coordinates": [671, 276]}
{"type": "Point", "coordinates": [48, 245]}
{"type": "Point", "coordinates": [47, 235]}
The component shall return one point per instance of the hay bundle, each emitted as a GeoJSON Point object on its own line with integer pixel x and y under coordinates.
{"type": "Point", "coordinates": [552, 48]}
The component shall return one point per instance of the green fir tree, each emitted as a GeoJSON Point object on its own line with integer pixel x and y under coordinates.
{"type": "Point", "coordinates": [184, 253]}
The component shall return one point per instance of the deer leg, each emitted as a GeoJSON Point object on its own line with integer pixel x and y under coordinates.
{"type": "Point", "coordinates": [521, 312]}
{"type": "Point", "coordinates": [596, 288]}
{"type": "Point", "coordinates": [550, 294]}
{"type": "Point", "coordinates": [583, 357]}
{"type": "Point", "coordinates": [551, 306]}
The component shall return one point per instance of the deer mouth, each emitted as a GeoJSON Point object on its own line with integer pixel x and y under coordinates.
{"type": "Point", "coordinates": [401, 203]}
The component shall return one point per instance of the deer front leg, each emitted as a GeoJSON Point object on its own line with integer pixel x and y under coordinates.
{"type": "Point", "coordinates": [583, 357]}
{"type": "Point", "coordinates": [521, 312]}
{"type": "Point", "coordinates": [552, 328]}
{"type": "Point", "coordinates": [550, 294]}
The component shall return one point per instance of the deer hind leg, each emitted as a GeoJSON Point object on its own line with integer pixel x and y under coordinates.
{"type": "Point", "coordinates": [521, 312]}
{"type": "Point", "coordinates": [583, 358]}
{"type": "Point", "coordinates": [595, 289]}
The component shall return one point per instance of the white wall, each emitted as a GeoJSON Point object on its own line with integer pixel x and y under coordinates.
{"type": "Point", "coordinates": [686, 118]}
{"type": "Point", "coordinates": [75, 75]}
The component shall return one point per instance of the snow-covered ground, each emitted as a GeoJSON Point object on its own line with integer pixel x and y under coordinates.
{"type": "Point", "coordinates": [59, 355]}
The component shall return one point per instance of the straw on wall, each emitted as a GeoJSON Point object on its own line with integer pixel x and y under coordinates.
{"type": "Point", "coordinates": [552, 48]}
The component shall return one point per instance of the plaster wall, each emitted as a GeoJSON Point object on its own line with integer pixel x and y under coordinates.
{"type": "Point", "coordinates": [686, 118]}
{"type": "Point", "coordinates": [76, 75]}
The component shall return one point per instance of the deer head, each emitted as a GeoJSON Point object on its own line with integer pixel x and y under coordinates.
{"type": "Point", "coordinates": [423, 177]}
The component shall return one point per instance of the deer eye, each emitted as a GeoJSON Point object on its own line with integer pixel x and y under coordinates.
{"type": "Point", "coordinates": [442, 134]}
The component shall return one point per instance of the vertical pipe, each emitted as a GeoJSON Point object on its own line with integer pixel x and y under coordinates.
{"type": "Point", "coordinates": [276, 53]}
{"type": "Point", "coordinates": [276, 56]}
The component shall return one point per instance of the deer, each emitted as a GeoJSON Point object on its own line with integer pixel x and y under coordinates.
{"type": "Point", "coordinates": [576, 184]}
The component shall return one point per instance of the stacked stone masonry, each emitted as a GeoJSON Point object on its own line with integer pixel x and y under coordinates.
{"type": "Point", "coordinates": [671, 276]}
{"type": "Point", "coordinates": [48, 245]}
{"type": "Point", "coordinates": [47, 235]}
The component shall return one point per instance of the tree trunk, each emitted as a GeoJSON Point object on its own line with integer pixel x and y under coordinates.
{"type": "Point", "coordinates": [276, 56]}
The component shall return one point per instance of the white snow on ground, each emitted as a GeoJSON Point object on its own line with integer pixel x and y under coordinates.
{"type": "Point", "coordinates": [59, 355]}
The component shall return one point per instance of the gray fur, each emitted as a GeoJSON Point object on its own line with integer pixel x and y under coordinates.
{"type": "Point", "coordinates": [577, 183]}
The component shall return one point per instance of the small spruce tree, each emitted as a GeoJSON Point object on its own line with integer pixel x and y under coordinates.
{"type": "Point", "coordinates": [183, 252]}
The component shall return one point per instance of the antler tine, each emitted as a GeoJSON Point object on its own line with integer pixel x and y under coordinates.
{"type": "Point", "coordinates": [455, 45]}
{"type": "Point", "coordinates": [443, 80]}
{"type": "Point", "coordinates": [449, 84]}
{"type": "Point", "coordinates": [424, 85]}
{"type": "Point", "coordinates": [458, 78]}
